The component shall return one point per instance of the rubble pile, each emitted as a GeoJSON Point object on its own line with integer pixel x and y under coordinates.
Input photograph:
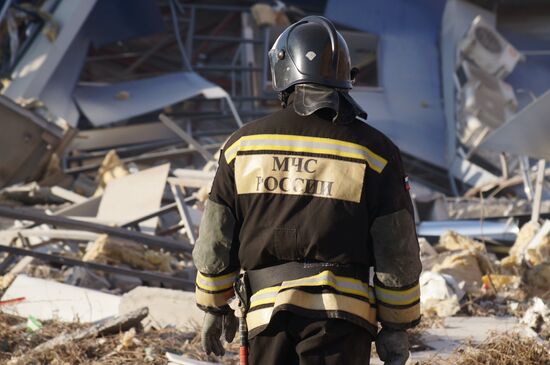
{"type": "Point", "coordinates": [461, 276]}
{"type": "Point", "coordinates": [133, 346]}
{"type": "Point", "coordinates": [111, 129]}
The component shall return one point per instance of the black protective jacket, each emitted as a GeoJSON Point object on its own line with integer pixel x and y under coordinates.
{"type": "Point", "coordinates": [295, 188]}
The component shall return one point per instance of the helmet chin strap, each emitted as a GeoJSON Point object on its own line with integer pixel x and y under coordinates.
{"type": "Point", "coordinates": [284, 95]}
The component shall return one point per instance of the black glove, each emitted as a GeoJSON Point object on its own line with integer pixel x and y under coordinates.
{"type": "Point", "coordinates": [392, 346]}
{"type": "Point", "coordinates": [212, 327]}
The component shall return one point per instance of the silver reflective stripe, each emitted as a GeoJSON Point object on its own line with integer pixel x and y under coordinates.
{"type": "Point", "coordinates": [398, 298]}
{"type": "Point", "coordinates": [330, 278]}
{"type": "Point", "coordinates": [212, 283]}
{"type": "Point", "coordinates": [305, 144]}
{"type": "Point", "coordinates": [315, 145]}
{"type": "Point", "coordinates": [261, 296]}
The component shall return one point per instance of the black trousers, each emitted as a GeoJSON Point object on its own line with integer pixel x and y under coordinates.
{"type": "Point", "coordinates": [292, 339]}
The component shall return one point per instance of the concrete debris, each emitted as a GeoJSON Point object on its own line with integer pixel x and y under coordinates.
{"type": "Point", "coordinates": [166, 307]}
{"type": "Point", "coordinates": [47, 300]}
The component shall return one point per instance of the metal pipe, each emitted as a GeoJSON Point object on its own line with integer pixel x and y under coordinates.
{"type": "Point", "coordinates": [144, 157]}
{"type": "Point", "coordinates": [145, 239]}
{"type": "Point", "coordinates": [61, 260]}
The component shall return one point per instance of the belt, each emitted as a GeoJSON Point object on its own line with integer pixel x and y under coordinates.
{"type": "Point", "coordinates": [274, 275]}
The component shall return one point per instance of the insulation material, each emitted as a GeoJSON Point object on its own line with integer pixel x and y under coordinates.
{"type": "Point", "coordinates": [464, 268]}
{"type": "Point", "coordinates": [111, 168]}
{"type": "Point", "coordinates": [440, 294]}
{"type": "Point", "coordinates": [115, 251]}
{"type": "Point", "coordinates": [452, 241]}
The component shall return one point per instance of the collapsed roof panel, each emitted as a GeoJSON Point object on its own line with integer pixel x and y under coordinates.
{"type": "Point", "coordinates": [108, 103]}
{"type": "Point", "coordinates": [526, 134]}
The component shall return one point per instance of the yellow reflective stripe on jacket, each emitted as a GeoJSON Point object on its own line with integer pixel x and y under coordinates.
{"type": "Point", "coordinates": [213, 300]}
{"type": "Point", "coordinates": [294, 143]}
{"type": "Point", "coordinates": [326, 278]}
{"type": "Point", "coordinates": [213, 291]}
{"type": "Point", "coordinates": [214, 283]}
{"type": "Point", "coordinates": [312, 301]}
{"type": "Point", "coordinates": [396, 315]}
{"type": "Point", "coordinates": [397, 296]}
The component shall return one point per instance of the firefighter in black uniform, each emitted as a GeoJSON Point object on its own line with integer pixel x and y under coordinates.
{"type": "Point", "coordinates": [312, 205]}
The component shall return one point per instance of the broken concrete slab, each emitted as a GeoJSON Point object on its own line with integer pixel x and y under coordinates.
{"type": "Point", "coordinates": [167, 307]}
{"type": "Point", "coordinates": [128, 197]}
{"type": "Point", "coordinates": [46, 299]}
